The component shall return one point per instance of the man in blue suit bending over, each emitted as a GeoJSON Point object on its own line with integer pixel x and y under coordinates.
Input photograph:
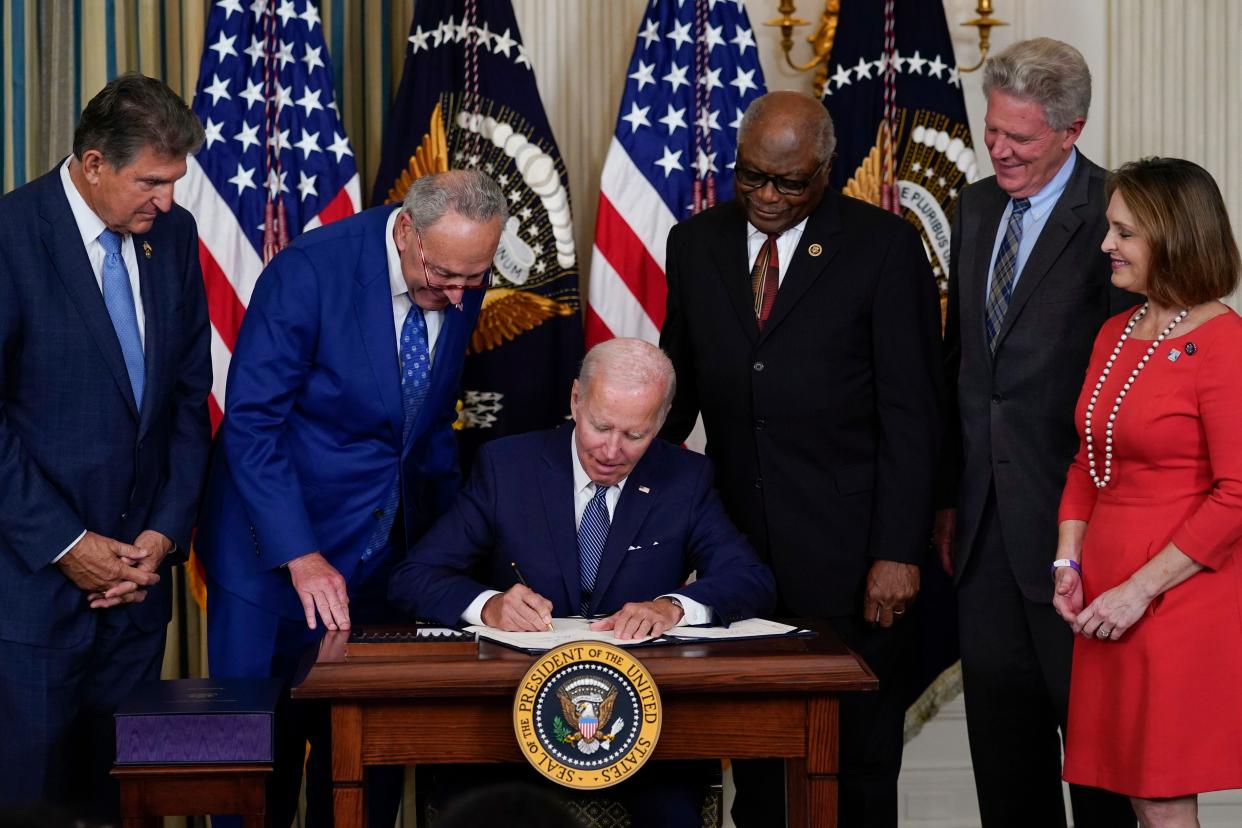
{"type": "Point", "coordinates": [602, 519]}
{"type": "Point", "coordinates": [105, 368]}
{"type": "Point", "coordinates": [336, 448]}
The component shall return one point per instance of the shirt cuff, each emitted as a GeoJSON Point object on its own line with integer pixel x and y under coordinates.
{"type": "Point", "coordinates": [473, 614]}
{"type": "Point", "coordinates": [692, 611]}
{"type": "Point", "coordinates": [65, 551]}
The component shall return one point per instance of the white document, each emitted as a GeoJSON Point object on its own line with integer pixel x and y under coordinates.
{"type": "Point", "coordinates": [750, 628]}
{"type": "Point", "coordinates": [565, 630]}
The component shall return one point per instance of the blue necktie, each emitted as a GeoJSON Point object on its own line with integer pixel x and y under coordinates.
{"type": "Point", "coordinates": [1005, 273]}
{"type": "Point", "coordinates": [415, 380]}
{"type": "Point", "coordinates": [592, 534]}
{"type": "Point", "coordinates": [119, 299]}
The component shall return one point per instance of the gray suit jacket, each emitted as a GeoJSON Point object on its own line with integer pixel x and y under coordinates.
{"type": "Point", "coordinates": [1011, 414]}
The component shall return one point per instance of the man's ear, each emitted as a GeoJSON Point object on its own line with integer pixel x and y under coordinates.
{"type": "Point", "coordinates": [92, 165]}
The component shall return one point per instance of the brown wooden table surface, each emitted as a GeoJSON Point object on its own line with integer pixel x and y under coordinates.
{"type": "Point", "coordinates": [445, 703]}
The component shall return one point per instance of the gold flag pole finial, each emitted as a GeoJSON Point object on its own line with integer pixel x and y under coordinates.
{"type": "Point", "coordinates": [821, 40]}
{"type": "Point", "coordinates": [984, 23]}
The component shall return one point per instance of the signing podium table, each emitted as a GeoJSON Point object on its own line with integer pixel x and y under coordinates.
{"type": "Point", "coordinates": [428, 703]}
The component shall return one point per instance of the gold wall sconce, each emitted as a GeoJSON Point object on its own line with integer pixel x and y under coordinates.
{"type": "Point", "coordinates": [821, 40]}
{"type": "Point", "coordinates": [984, 23]}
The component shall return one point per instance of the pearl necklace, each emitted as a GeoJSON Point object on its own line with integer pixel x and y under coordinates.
{"type": "Point", "coordinates": [1101, 482]}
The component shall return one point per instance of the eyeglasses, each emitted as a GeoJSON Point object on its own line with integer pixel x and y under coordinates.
{"type": "Point", "coordinates": [751, 180]}
{"type": "Point", "coordinates": [479, 281]}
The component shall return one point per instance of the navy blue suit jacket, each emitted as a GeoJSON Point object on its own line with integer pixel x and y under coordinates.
{"type": "Point", "coordinates": [519, 507]}
{"type": "Point", "coordinates": [75, 452]}
{"type": "Point", "coordinates": [311, 439]}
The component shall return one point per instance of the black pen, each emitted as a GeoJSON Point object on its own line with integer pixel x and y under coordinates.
{"type": "Point", "coordinates": [522, 581]}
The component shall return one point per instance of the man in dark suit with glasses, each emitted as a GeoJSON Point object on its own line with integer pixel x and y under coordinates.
{"type": "Point", "coordinates": [804, 327]}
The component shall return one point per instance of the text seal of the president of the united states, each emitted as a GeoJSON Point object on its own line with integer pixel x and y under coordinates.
{"type": "Point", "coordinates": [587, 715]}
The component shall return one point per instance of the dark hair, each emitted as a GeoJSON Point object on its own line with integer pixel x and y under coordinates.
{"type": "Point", "coordinates": [133, 112]}
{"type": "Point", "coordinates": [1181, 215]}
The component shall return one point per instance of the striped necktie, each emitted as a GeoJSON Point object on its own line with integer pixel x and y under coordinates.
{"type": "Point", "coordinates": [1005, 274]}
{"type": "Point", "coordinates": [765, 279]}
{"type": "Point", "coordinates": [592, 534]}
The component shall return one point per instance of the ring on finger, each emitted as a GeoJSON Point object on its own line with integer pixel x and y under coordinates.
{"type": "Point", "coordinates": [899, 612]}
{"type": "Point", "coordinates": [1103, 633]}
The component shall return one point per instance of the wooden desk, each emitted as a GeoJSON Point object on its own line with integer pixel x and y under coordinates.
{"type": "Point", "coordinates": [151, 792]}
{"type": "Point", "coordinates": [742, 699]}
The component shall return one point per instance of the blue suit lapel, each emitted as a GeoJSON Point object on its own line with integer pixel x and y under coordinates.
{"type": "Point", "coordinates": [556, 487]}
{"type": "Point", "coordinates": [64, 249]}
{"type": "Point", "coordinates": [373, 308]}
{"type": "Point", "coordinates": [636, 499]}
{"type": "Point", "coordinates": [153, 283]}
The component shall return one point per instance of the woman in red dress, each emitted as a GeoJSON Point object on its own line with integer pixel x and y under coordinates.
{"type": "Point", "coordinates": [1151, 517]}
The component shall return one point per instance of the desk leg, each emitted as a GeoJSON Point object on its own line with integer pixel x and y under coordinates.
{"type": "Point", "coordinates": [348, 790]}
{"type": "Point", "coordinates": [811, 782]}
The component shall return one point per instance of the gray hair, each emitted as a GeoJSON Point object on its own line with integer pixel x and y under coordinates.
{"type": "Point", "coordinates": [630, 363]}
{"type": "Point", "coordinates": [1050, 73]}
{"type": "Point", "coordinates": [134, 112]}
{"type": "Point", "coordinates": [469, 193]}
{"type": "Point", "coordinates": [820, 131]}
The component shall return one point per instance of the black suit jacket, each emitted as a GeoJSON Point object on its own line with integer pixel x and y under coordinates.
{"type": "Point", "coordinates": [825, 427]}
{"type": "Point", "coordinates": [75, 451]}
{"type": "Point", "coordinates": [1011, 415]}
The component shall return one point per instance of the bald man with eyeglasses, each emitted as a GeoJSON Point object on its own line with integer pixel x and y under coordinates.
{"type": "Point", "coordinates": [804, 326]}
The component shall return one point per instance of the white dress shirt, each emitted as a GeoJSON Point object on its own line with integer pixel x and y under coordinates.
{"type": "Point", "coordinates": [584, 490]}
{"type": "Point", "coordinates": [89, 227]}
{"type": "Point", "coordinates": [401, 301]}
{"type": "Point", "coordinates": [786, 246]}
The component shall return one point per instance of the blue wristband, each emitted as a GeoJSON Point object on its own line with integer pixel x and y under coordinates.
{"type": "Point", "coordinates": [1064, 562]}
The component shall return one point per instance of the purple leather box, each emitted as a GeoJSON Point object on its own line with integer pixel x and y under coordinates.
{"type": "Point", "coordinates": [190, 721]}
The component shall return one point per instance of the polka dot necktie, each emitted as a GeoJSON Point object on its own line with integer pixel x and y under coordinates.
{"type": "Point", "coordinates": [415, 380]}
{"type": "Point", "coordinates": [118, 297]}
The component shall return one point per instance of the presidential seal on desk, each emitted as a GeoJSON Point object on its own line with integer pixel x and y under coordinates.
{"type": "Point", "coordinates": [587, 715]}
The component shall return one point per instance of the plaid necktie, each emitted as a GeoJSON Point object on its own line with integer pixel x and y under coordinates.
{"type": "Point", "coordinates": [765, 278]}
{"type": "Point", "coordinates": [118, 297]}
{"type": "Point", "coordinates": [1006, 271]}
{"type": "Point", "coordinates": [592, 534]}
{"type": "Point", "coordinates": [415, 380]}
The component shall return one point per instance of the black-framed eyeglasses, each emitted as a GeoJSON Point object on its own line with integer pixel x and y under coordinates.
{"type": "Point", "coordinates": [751, 180]}
{"type": "Point", "coordinates": [479, 281]}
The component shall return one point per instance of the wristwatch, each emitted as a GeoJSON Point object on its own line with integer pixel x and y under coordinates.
{"type": "Point", "coordinates": [672, 599]}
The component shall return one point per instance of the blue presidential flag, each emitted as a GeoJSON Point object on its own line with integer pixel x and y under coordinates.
{"type": "Point", "coordinates": [903, 141]}
{"type": "Point", "coordinates": [468, 100]}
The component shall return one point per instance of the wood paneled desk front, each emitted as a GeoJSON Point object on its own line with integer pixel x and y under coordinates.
{"type": "Point", "coordinates": [428, 703]}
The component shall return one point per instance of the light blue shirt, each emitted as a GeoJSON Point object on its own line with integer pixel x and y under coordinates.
{"type": "Point", "coordinates": [1033, 221]}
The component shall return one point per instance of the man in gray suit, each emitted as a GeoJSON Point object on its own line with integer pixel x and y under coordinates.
{"type": "Point", "coordinates": [1028, 290]}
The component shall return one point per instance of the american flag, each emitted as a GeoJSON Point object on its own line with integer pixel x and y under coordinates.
{"type": "Point", "coordinates": [276, 161]}
{"type": "Point", "coordinates": [694, 70]}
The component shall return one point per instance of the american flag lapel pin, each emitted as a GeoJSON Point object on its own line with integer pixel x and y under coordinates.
{"type": "Point", "coordinates": [645, 489]}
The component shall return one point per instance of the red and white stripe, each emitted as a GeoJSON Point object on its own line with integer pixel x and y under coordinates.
{"type": "Point", "coordinates": [231, 266]}
{"type": "Point", "coordinates": [627, 290]}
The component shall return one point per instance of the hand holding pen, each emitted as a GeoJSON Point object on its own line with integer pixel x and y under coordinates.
{"type": "Point", "coordinates": [518, 609]}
